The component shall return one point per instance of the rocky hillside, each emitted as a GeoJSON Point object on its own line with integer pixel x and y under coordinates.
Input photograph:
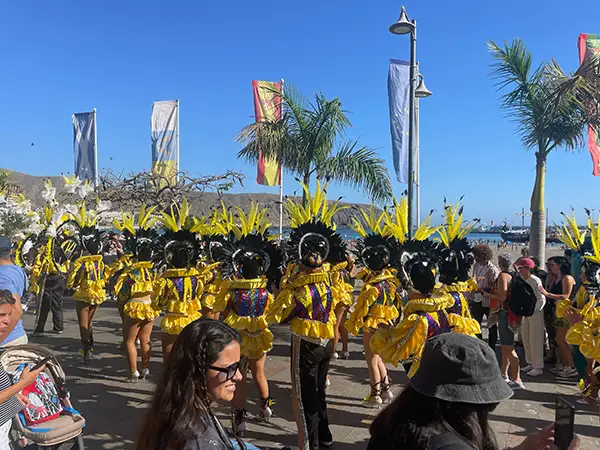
{"type": "Point", "coordinates": [31, 187]}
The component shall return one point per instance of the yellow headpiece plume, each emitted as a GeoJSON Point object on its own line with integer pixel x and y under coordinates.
{"type": "Point", "coordinates": [595, 236]}
{"type": "Point", "coordinates": [454, 226]}
{"type": "Point", "coordinates": [396, 224]}
{"type": "Point", "coordinates": [375, 223]}
{"type": "Point", "coordinates": [569, 234]}
{"type": "Point", "coordinates": [316, 208]}
{"type": "Point", "coordinates": [255, 222]}
{"type": "Point", "coordinates": [83, 217]}
{"type": "Point", "coordinates": [221, 221]}
{"type": "Point", "coordinates": [145, 220]}
{"type": "Point", "coordinates": [178, 218]}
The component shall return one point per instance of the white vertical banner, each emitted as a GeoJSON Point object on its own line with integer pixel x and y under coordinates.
{"type": "Point", "coordinates": [164, 127]}
{"type": "Point", "coordinates": [398, 97]}
{"type": "Point", "coordinates": [84, 146]}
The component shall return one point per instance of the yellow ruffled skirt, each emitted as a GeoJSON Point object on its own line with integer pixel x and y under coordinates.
{"type": "Point", "coordinates": [174, 323]}
{"type": "Point", "coordinates": [92, 293]}
{"type": "Point", "coordinates": [140, 310]}
{"type": "Point", "coordinates": [313, 328]}
{"type": "Point", "coordinates": [255, 345]}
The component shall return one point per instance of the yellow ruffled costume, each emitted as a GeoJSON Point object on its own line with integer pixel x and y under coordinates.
{"type": "Point", "coordinates": [245, 303]}
{"type": "Point", "coordinates": [177, 292]}
{"type": "Point", "coordinates": [88, 278]}
{"type": "Point", "coordinates": [342, 291]}
{"type": "Point", "coordinates": [211, 278]}
{"type": "Point", "coordinates": [461, 305]}
{"type": "Point", "coordinates": [307, 301]}
{"type": "Point", "coordinates": [44, 265]}
{"type": "Point", "coordinates": [134, 287]}
{"type": "Point", "coordinates": [423, 318]}
{"type": "Point", "coordinates": [376, 304]}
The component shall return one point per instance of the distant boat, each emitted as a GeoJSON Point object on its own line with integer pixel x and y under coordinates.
{"type": "Point", "coordinates": [522, 236]}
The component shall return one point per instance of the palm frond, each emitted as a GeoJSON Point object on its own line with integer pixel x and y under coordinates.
{"type": "Point", "coordinates": [359, 167]}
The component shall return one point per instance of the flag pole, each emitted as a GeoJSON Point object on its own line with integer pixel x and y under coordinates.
{"type": "Point", "coordinates": [95, 150]}
{"type": "Point", "coordinates": [177, 176]}
{"type": "Point", "coordinates": [281, 170]}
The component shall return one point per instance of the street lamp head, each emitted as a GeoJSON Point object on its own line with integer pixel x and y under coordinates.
{"type": "Point", "coordinates": [404, 25]}
{"type": "Point", "coordinates": [422, 91]}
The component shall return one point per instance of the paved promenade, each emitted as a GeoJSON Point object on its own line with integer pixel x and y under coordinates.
{"type": "Point", "coordinates": [113, 408]}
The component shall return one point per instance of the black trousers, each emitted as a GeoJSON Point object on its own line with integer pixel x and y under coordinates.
{"type": "Point", "coordinates": [52, 300]}
{"type": "Point", "coordinates": [309, 367]}
{"type": "Point", "coordinates": [477, 312]}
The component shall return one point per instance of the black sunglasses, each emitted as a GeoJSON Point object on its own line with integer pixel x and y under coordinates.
{"type": "Point", "coordinates": [228, 371]}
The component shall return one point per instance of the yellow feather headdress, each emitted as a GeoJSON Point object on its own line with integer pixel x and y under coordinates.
{"type": "Point", "coordinates": [83, 216]}
{"type": "Point", "coordinates": [454, 226]}
{"type": "Point", "coordinates": [255, 222]}
{"type": "Point", "coordinates": [396, 224]}
{"type": "Point", "coordinates": [317, 208]}
{"type": "Point", "coordinates": [595, 237]}
{"type": "Point", "coordinates": [374, 222]}
{"type": "Point", "coordinates": [570, 234]}
{"type": "Point", "coordinates": [145, 220]}
{"type": "Point", "coordinates": [178, 218]}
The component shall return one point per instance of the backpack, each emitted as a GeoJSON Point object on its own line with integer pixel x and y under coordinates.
{"type": "Point", "coordinates": [43, 398]}
{"type": "Point", "coordinates": [521, 298]}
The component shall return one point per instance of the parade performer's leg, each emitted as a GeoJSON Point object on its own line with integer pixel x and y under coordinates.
{"type": "Point", "coordinates": [92, 313]}
{"type": "Point", "coordinates": [238, 403]}
{"type": "Point", "coordinates": [304, 392]}
{"type": "Point", "coordinates": [339, 312]}
{"type": "Point", "coordinates": [56, 306]}
{"type": "Point", "coordinates": [121, 307]}
{"type": "Point", "coordinates": [257, 367]}
{"type": "Point", "coordinates": [167, 344]}
{"type": "Point", "coordinates": [325, 437]}
{"type": "Point", "coordinates": [374, 398]}
{"type": "Point", "coordinates": [145, 345]}
{"type": "Point", "coordinates": [44, 310]}
{"type": "Point", "coordinates": [83, 310]}
{"type": "Point", "coordinates": [133, 329]}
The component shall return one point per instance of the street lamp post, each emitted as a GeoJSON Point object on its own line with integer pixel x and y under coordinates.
{"type": "Point", "coordinates": [406, 26]}
{"type": "Point", "coordinates": [420, 92]}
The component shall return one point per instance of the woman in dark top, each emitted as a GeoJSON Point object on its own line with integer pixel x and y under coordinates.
{"type": "Point", "coordinates": [448, 402]}
{"type": "Point", "coordinates": [202, 368]}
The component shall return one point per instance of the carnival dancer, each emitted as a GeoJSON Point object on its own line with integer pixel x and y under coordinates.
{"type": "Point", "coordinates": [583, 313]}
{"type": "Point", "coordinates": [307, 300]}
{"type": "Point", "coordinates": [249, 263]}
{"type": "Point", "coordinates": [48, 274]}
{"type": "Point", "coordinates": [134, 287]}
{"type": "Point", "coordinates": [178, 290]}
{"type": "Point", "coordinates": [377, 304]}
{"type": "Point", "coordinates": [456, 259]}
{"type": "Point", "coordinates": [88, 275]}
{"type": "Point", "coordinates": [425, 314]}
{"type": "Point", "coordinates": [341, 279]}
{"type": "Point", "coordinates": [113, 273]}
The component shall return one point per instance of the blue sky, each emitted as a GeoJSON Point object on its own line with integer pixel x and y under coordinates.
{"type": "Point", "coordinates": [62, 57]}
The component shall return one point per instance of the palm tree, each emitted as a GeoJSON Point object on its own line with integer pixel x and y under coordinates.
{"type": "Point", "coordinates": [552, 110]}
{"type": "Point", "coordinates": [309, 140]}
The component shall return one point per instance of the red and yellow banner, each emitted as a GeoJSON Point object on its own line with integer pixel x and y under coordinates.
{"type": "Point", "coordinates": [267, 106]}
{"type": "Point", "coordinates": [590, 44]}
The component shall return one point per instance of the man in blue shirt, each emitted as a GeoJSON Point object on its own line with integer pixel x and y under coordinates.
{"type": "Point", "coordinates": [14, 279]}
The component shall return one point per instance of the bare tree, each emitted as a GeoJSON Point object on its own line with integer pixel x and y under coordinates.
{"type": "Point", "coordinates": [133, 189]}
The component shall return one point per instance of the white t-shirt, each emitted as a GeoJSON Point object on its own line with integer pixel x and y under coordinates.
{"type": "Point", "coordinates": [536, 283]}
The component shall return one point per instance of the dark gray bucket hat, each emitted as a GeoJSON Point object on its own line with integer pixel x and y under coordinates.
{"type": "Point", "coordinates": [460, 368]}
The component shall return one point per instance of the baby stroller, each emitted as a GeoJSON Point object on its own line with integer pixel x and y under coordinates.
{"type": "Point", "coordinates": [55, 433]}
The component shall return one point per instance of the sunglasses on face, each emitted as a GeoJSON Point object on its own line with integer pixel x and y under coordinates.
{"type": "Point", "coordinates": [226, 373]}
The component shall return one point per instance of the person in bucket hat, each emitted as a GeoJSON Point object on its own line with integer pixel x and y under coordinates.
{"type": "Point", "coordinates": [448, 401]}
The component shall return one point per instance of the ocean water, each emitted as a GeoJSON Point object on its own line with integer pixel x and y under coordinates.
{"type": "Point", "coordinates": [349, 234]}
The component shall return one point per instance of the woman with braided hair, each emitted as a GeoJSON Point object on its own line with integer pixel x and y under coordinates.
{"type": "Point", "coordinates": [202, 369]}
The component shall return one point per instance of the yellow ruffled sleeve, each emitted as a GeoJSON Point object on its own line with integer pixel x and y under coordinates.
{"type": "Point", "coordinates": [402, 343]}
{"type": "Point", "coordinates": [34, 279]}
{"type": "Point", "coordinates": [281, 307]}
{"type": "Point", "coordinates": [222, 299]}
{"type": "Point", "coordinates": [577, 334]}
{"type": "Point", "coordinates": [356, 321]}
{"type": "Point", "coordinates": [159, 294]}
{"type": "Point", "coordinates": [463, 324]}
{"type": "Point", "coordinates": [562, 307]}
{"type": "Point", "coordinates": [74, 274]}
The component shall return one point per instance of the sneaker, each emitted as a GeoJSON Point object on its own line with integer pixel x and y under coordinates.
{"type": "Point", "coordinates": [266, 412]}
{"type": "Point", "coordinates": [239, 421]}
{"type": "Point", "coordinates": [557, 369]}
{"type": "Point", "coordinates": [345, 355]}
{"type": "Point", "coordinates": [387, 395]}
{"type": "Point", "coordinates": [335, 355]}
{"type": "Point", "coordinates": [505, 378]}
{"type": "Point", "coordinates": [535, 373]}
{"type": "Point", "coordinates": [326, 444]}
{"type": "Point", "coordinates": [372, 401]}
{"type": "Point", "coordinates": [134, 377]}
{"type": "Point", "coordinates": [527, 368]}
{"type": "Point", "coordinates": [57, 331]}
{"type": "Point", "coordinates": [37, 334]}
{"type": "Point", "coordinates": [516, 385]}
{"type": "Point", "coordinates": [145, 374]}
{"type": "Point", "coordinates": [568, 372]}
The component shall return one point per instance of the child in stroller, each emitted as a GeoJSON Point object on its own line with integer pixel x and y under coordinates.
{"type": "Point", "coordinates": [59, 423]}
